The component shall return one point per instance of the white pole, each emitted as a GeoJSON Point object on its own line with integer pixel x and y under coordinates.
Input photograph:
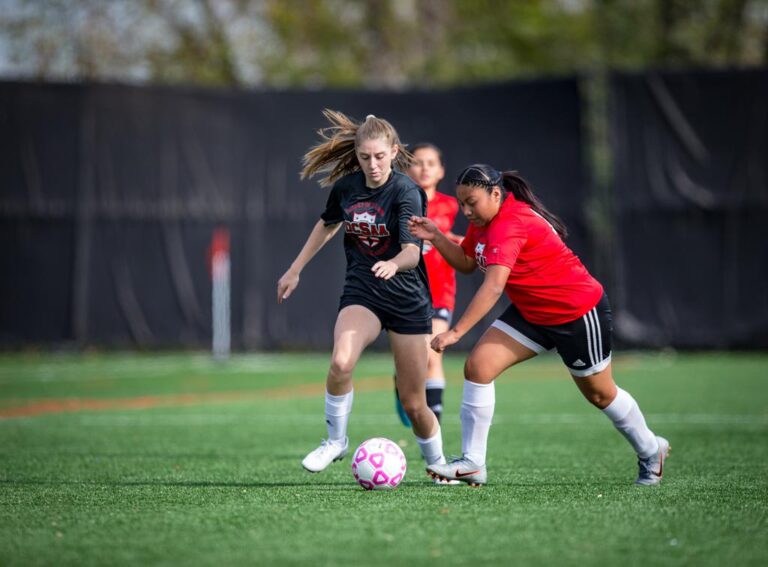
{"type": "Point", "coordinates": [220, 300]}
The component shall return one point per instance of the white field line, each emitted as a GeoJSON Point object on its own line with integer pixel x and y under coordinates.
{"type": "Point", "coordinates": [152, 419]}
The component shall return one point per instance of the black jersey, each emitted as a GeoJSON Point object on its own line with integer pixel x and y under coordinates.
{"type": "Point", "coordinates": [375, 226]}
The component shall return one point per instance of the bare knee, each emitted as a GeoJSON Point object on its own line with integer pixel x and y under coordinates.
{"type": "Point", "coordinates": [413, 404]}
{"type": "Point", "coordinates": [341, 367]}
{"type": "Point", "coordinates": [599, 399]}
{"type": "Point", "coordinates": [476, 371]}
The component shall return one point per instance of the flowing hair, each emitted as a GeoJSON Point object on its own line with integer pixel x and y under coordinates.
{"type": "Point", "coordinates": [334, 156]}
{"type": "Point", "coordinates": [481, 175]}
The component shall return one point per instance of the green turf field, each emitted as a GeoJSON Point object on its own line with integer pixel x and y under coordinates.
{"type": "Point", "coordinates": [174, 460]}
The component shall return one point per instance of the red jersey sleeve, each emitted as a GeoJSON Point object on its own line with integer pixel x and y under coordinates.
{"type": "Point", "coordinates": [505, 241]}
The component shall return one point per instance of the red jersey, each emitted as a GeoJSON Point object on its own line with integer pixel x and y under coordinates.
{"type": "Point", "coordinates": [548, 283]}
{"type": "Point", "coordinates": [442, 210]}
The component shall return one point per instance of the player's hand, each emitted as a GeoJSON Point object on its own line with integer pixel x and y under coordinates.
{"type": "Point", "coordinates": [286, 285]}
{"type": "Point", "coordinates": [422, 228]}
{"type": "Point", "coordinates": [444, 340]}
{"type": "Point", "coordinates": [384, 270]}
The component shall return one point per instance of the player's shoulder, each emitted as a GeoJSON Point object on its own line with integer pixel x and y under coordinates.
{"type": "Point", "coordinates": [406, 188]}
{"type": "Point", "coordinates": [512, 209]}
{"type": "Point", "coordinates": [444, 197]}
{"type": "Point", "coordinates": [448, 203]}
{"type": "Point", "coordinates": [350, 181]}
{"type": "Point", "coordinates": [513, 214]}
{"type": "Point", "coordinates": [402, 182]}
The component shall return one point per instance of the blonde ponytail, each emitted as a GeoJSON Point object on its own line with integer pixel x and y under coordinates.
{"type": "Point", "coordinates": [334, 156]}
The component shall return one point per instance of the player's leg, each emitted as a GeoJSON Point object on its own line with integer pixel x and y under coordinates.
{"type": "Point", "coordinates": [622, 409]}
{"type": "Point", "coordinates": [501, 346]}
{"type": "Point", "coordinates": [410, 352]}
{"type": "Point", "coordinates": [585, 347]}
{"type": "Point", "coordinates": [435, 384]}
{"type": "Point", "coordinates": [495, 352]}
{"type": "Point", "coordinates": [399, 406]}
{"type": "Point", "coordinates": [356, 328]}
{"type": "Point", "coordinates": [435, 374]}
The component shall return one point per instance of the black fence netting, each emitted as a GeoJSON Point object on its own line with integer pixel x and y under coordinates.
{"type": "Point", "coordinates": [691, 208]}
{"type": "Point", "coordinates": [110, 195]}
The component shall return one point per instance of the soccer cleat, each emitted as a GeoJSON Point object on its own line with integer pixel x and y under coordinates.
{"type": "Point", "coordinates": [462, 470]}
{"type": "Point", "coordinates": [401, 410]}
{"type": "Point", "coordinates": [327, 453]}
{"type": "Point", "coordinates": [652, 468]}
{"type": "Point", "coordinates": [445, 482]}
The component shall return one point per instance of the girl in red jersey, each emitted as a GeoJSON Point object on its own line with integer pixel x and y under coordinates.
{"type": "Point", "coordinates": [556, 303]}
{"type": "Point", "coordinates": [428, 171]}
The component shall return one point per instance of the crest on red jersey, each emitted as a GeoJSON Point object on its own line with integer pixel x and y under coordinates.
{"type": "Point", "coordinates": [480, 255]}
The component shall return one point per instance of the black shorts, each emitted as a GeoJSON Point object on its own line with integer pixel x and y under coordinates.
{"type": "Point", "coordinates": [420, 324]}
{"type": "Point", "coordinates": [583, 344]}
{"type": "Point", "coordinates": [443, 313]}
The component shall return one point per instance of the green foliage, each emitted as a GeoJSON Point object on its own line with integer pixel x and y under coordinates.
{"type": "Point", "coordinates": [374, 43]}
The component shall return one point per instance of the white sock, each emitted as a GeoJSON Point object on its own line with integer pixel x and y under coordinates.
{"type": "Point", "coordinates": [432, 448]}
{"type": "Point", "coordinates": [626, 416]}
{"type": "Point", "coordinates": [436, 383]}
{"type": "Point", "coordinates": [337, 410]}
{"type": "Point", "coordinates": [477, 405]}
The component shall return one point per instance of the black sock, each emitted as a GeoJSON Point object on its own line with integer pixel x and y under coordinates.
{"type": "Point", "coordinates": [435, 401]}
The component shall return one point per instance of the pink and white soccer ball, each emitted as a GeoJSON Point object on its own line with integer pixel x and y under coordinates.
{"type": "Point", "coordinates": [378, 464]}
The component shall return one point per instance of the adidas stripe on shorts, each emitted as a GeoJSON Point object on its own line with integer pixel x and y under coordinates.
{"type": "Point", "coordinates": [583, 344]}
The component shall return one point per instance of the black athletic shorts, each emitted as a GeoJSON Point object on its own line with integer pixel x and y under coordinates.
{"type": "Point", "coordinates": [583, 344]}
{"type": "Point", "coordinates": [418, 324]}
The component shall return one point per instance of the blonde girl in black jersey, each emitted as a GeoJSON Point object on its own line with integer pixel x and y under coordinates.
{"type": "Point", "coordinates": [385, 287]}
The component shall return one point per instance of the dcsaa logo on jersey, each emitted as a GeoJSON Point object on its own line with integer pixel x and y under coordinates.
{"type": "Point", "coordinates": [480, 255]}
{"type": "Point", "coordinates": [370, 234]}
{"type": "Point", "coordinates": [366, 218]}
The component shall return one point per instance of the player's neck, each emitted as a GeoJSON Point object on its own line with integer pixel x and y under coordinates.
{"type": "Point", "coordinates": [374, 185]}
{"type": "Point", "coordinates": [430, 191]}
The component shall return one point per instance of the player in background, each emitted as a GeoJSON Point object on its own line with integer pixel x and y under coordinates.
{"type": "Point", "coordinates": [428, 170]}
{"type": "Point", "coordinates": [556, 303]}
{"type": "Point", "coordinates": [385, 285]}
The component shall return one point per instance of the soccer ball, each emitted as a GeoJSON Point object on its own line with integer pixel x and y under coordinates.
{"type": "Point", "coordinates": [378, 464]}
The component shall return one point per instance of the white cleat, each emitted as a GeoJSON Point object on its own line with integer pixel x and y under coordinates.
{"type": "Point", "coordinates": [462, 470]}
{"type": "Point", "coordinates": [445, 482]}
{"type": "Point", "coordinates": [327, 453]}
{"type": "Point", "coordinates": [652, 468]}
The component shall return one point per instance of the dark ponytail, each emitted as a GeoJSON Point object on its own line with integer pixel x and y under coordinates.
{"type": "Point", "coordinates": [522, 192]}
{"type": "Point", "coordinates": [481, 175]}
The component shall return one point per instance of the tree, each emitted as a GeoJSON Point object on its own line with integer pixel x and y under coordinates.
{"type": "Point", "coordinates": [373, 43]}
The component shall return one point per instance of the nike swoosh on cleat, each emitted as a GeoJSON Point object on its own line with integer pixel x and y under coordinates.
{"type": "Point", "coordinates": [461, 475]}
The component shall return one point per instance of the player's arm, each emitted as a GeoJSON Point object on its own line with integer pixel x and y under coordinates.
{"type": "Point", "coordinates": [407, 258]}
{"type": "Point", "coordinates": [320, 235]}
{"type": "Point", "coordinates": [456, 238]}
{"type": "Point", "coordinates": [485, 298]}
{"type": "Point", "coordinates": [453, 254]}
{"type": "Point", "coordinates": [425, 229]}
